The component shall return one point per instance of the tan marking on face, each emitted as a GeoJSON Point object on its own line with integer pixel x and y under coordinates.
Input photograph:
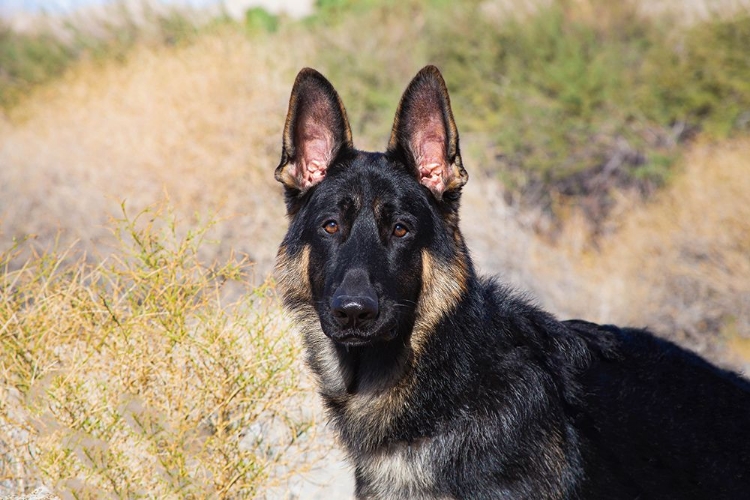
{"type": "Point", "coordinates": [292, 274]}
{"type": "Point", "coordinates": [443, 284]}
{"type": "Point", "coordinates": [442, 287]}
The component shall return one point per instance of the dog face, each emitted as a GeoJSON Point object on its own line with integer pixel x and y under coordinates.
{"type": "Point", "coordinates": [373, 246]}
{"type": "Point", "coordinates": [365, 240]}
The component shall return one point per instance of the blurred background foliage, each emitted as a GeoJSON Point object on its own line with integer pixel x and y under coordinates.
{"type": "Point", "coordinates": [570, 98]}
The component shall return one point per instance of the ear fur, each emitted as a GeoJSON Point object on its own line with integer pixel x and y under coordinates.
{"type": "Point", "coordinates": [425, 134]}
{"type": "Point", "coordinates": [316, 130]}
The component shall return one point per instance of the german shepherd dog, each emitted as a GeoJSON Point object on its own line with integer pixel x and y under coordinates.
{"type": "Point", "coordinates": [444, 384]}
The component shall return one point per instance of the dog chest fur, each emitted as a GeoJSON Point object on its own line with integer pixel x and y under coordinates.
{"type": "Point", "coordinates": [399, 471]}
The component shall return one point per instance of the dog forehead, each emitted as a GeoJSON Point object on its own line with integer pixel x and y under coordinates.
{"type": "Point", "coordinates": [371, 179]}
{"type": "Point", "coordinates": [375, 177]}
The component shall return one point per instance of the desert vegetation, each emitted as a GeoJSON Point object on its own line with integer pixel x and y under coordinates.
{"type": "Point", "coordinates": [148, 373]}
{"type": "Point", "coordinates": [142, 349]}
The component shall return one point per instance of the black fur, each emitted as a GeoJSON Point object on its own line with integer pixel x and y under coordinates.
{"type": "Point", "coordinates": [443, 384]}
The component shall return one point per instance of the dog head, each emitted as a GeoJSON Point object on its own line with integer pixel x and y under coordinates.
{"type": "Point", "coordinates": [373, 245]}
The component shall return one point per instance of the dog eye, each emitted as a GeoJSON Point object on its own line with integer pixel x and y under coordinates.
{"type": "Point", "coordinates": [331, 227]}
{"type": "Point", "coordinates": [399, 230]}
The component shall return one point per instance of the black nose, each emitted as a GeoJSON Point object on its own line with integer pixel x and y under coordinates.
{"type": "Point", "coordinates": [354, 304]}
{"type": "Point", "coordinates": [355, 311]}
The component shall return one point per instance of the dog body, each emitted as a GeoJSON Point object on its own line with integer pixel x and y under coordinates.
{"type": "Point", "coordinates": [443, 384]}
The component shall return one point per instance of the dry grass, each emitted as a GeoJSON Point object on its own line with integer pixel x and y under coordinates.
{"type": "Point", "coordinates": [201, 123]}
{"type": "Point", "coordinates": [680, 263]}
{"type": "Point", "coordinates": [142, 375]}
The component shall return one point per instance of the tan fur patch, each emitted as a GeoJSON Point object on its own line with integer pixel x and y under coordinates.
{"type": "Point", "coordinates": [292, 274]}
{"type": "Point", "coordinates": [377, 411]}
{"type": "Point", "coordinates": [403, 468]}
{"type": "Point", "coordinates": [322, 354]}
{"type": "Point", "coordinates": [443, 284]}
{"type": "Point", "coordinates": [442, 287]}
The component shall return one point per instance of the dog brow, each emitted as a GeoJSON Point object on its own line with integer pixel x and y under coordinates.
{"type": "Point", "coordinates": [382, 209]}
{"type": "Point", "coordinates": [348, 202]}
{"type": "Point", "coordinates": [377, 207]}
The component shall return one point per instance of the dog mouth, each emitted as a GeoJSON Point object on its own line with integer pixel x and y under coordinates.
{"type": "Point", "coordinates": [360, 338]}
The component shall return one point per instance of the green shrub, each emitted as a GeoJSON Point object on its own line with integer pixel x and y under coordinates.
{"type": "Point", "coordinates": [702, 78]}
{"type": "Point", "coordinates": [561, 96]}
{"type": "Point", "coordinates": [259, 20]}
{"type": "Point", "coordinates": [26, 61]}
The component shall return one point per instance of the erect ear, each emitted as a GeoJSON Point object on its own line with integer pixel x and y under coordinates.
{"type": "Point", "coordinates": [316, 130]}
{"type": "Point", "coordinates": [425, 134]}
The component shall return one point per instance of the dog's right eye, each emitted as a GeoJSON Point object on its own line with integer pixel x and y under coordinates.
{"type": "Point", "coordinates": [331, 227]}
{"type": "Point", "coordinates": [399, 230]}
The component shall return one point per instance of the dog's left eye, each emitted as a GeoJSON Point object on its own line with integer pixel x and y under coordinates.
{"type": "Point", "coordinates": [399, 230]}
{"type": "Point", "coordinates": [331, 227]}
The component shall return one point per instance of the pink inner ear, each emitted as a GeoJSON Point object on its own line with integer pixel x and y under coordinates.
{"type": "Point", "coordinates": [316, 154]}
{"type": "Point", "coordinates": [431, 176]}
{"type": "Point", "coordinates": [431, 161]}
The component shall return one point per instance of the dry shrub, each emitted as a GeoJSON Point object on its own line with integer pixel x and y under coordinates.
{"type": "Point", "coordinates": [146, 374]}
{"type": "Point", "coordinates": [680, 263]}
